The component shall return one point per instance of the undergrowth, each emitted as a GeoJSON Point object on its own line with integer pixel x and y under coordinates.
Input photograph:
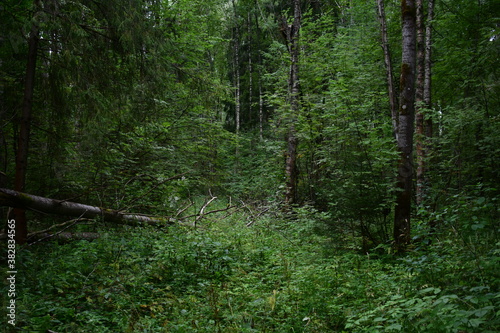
{"type": "Point", "coordinates": [274, 274]}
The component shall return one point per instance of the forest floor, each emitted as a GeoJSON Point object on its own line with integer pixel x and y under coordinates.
{"type": "Point", "coordinates": [250, 272]}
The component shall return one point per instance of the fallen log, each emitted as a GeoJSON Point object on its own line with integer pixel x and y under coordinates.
{"type": "Point", "coordinates": [15, 199]}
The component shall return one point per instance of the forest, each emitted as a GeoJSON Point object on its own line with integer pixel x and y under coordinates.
{"type": "Point", "coordinates": [250, 165]}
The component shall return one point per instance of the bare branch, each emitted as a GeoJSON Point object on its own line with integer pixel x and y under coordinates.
{"type": "Point", "coordinates": [202, 210]}
{"type": "Point", "coordinates": [184, 209]}
{"type": "Point", "coordinates": [71, 222]}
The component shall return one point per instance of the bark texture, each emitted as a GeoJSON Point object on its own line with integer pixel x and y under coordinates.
{"type": "Point", "coordinates": [291, 171]}
{"type": "Point", "coordinates": [24, 131]}
{"type": "Point", "coordinates": [406, 112]}
{"type": "Point", "coordinates": [237, 71]}
{"type": "Point", "coordinates": [388, 67]}
{"type": "Point", "coordinates": [420, 106]}
{"type": "Point", "coordinates": [25, 201]}
{"type": "Point", "coordinates": [423, 97]}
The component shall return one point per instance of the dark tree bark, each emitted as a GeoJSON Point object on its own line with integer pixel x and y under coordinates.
{"type": "Point", "coordinates": [24, 132]}
{"type": "Point", "coordinates": [428, 64]}
{"type": "Point", "coordinates": [3, 149]}
{"type": "Point", "coordinates": [291, 171]}
{"type": "Point", "coordinates": [250, 69]}
{"type": "Point", "coordinates": [393, 102]}
{"type": "Point", "coordinates": [261, 109]}
{"type": "Point", "coordinates": [237, 71]}
{"type": "Point", "coordinates": [405, 129]}
{"type": "Point", "coordinates": [419, 103]}
{"type": "Point", "coordinates": [259, 82]}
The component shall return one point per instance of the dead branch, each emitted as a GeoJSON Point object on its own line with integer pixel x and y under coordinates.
{"type": "Point", "coordinates": [254, 218]}
{"type": "Point", "coordinates": [201, 214]}
{"type": "Point", "coordinates": [202, 210]}
{"type": "Point", "coordinates": [70, 222]}
{"type": "Point", "coordinates": [59, 232]}
{"type": "Point", "coordinates": [184, 209]}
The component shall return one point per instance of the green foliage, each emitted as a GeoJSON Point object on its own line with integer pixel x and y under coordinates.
{"type": "Point", "coordinates": [253, 168]}
{"type": "Point", "coordinates": [134, 110]}
{"type": "Point", "coordinates": [276, 275]}
{"type": "Point", "coordinates": [346, 139]}
{"type": "Point", "coordinates": [427, 311]}
{"type": "Point", "coordinates": [117, 86]}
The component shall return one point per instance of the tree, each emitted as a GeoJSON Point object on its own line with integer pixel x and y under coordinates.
{"type": "Point", "coordinates": [428, 123]}
{"type": "Point", "coordinates": [428, 68]}
{"type": "Point", "coordinates": [236, 66]}
{"type": "Point", "coordinates": [292, 141]}
{"type": "Point", "coordinates": [24, 201]}
{"type": "Point", "coordinates": [25, 125]}
{"type": "Point", "coordinates": [419, 100]}
{"type": "Point", "coordinates": [465, 82]}
{"type": "Point", "coordinates": [406, 114]}
{"type": "Point", "coordinates": [116, 85]}
{"type": "Point", "coordinates": [393, 101]}
{"type": "Point", "coordinates": [423, 123]}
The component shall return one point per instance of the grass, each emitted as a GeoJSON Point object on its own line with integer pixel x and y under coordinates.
{"type": "Point", "coordinates": [276, 275]}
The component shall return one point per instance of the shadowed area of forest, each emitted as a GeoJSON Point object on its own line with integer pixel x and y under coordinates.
{"type": "Point", "coordinates": [250, 166]}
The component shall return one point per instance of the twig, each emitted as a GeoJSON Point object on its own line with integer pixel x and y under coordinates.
{"type": "Point", "coordinates": [202, 210]}
{"type": "Point", "coordinates": [209, 212]}
{"type": "Point", "coordinates": [57, 226]}
{"type": "Point", "coordinates": [246, 206]}
{"type": "Point", "coordinates": [60, 231]}
{"type": "Point", "coordinates": [263, 212]}
{"type": "Point", "coordinates": [184, 209]}
{"type": "Point", "coordinates": [254, 218]}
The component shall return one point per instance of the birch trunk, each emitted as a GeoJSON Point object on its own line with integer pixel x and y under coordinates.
{"type": "Point", "coordinates": [419, 104]}
{"type": "Point", "coordinates": [24, 201]}
{"type": "Point", "coordinates": [428, 126]}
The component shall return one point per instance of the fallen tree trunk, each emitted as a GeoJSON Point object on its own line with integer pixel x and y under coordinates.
{"type": "Point", "coordinates": [21, 200]}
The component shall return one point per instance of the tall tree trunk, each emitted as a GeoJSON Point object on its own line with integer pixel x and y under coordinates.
{"type": "Point", "coordinates": [261, 109]}
{"type": "Point", "coordinates": [405, 129]}
{"type": "Point", "coordinates": [423, 97]}
{"type": "Point", "coordinates": [24, 132]}
{"type": "Point", "coordinates": [419, 104]}
{"type": "Point", "coordinates": [238, 91]}
{"type": "Point", "coordinates": [291, 171]}
{"type": "Point", "coordinates": [427, 96]}
{"type": "Point", "coordinates": [393, 102]}
{"type": "Point", "coordinates": [3, 142]}
{"type": "Point", "coordinates": [428, 64]}
{"type": "Point", "coordinates": [250, 69]}
{"type": "Point", "coordinates": [237, 70]}
{"type": "Point", "coordinates": [259, 72]}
